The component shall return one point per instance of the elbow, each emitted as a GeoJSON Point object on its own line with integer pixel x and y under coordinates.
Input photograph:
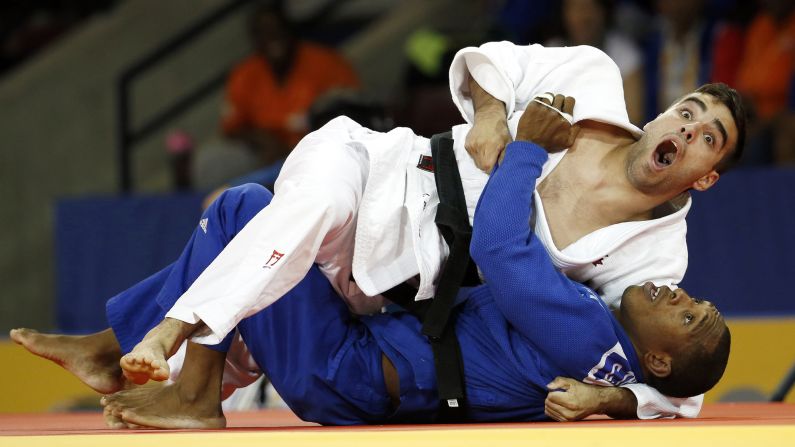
{"type": "Point", "coordinates": [483, 248]}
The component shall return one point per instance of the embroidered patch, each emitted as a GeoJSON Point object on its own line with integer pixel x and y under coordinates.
{"type": "Point", "coordinates": [275, 257]}
{"type": "Point", "coordinates": [612, 369]}
{"type": "Point", "coordinates": [425, 163]}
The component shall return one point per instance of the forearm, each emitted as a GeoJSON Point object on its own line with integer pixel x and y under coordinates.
{"type": "Point", "coordinates": [618, 403]}
{"type": "Point", "coordinates": [512, 260]}
{"type": "Point", "coordinates": [489, 134]}
{"type": "Point", "coordinates": [572, 400]}
{"type": "Point", "coordinates": [486, 106]}
{"type": "Point", "coordinates": [504, 209]}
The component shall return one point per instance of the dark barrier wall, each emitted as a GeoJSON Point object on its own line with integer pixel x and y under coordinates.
{"type": "Point", "coordinates": [741, 241]}
{"type": "Point", "coordinates": [104, 245]}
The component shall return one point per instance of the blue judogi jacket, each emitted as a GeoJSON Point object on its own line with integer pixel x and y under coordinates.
{"type": "Point", "coordinates": [525, 326]}
{"type": "Point", "coordinates": [528, 324]}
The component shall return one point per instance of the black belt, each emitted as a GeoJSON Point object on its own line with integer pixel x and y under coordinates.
{"type": "Point", "coordinates": [437, 315]}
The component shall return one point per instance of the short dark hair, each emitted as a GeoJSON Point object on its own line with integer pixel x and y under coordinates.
{"type": "Point", "coordinates": [732, 100]}
{"type": "Point", "coordinates": [273, 9]}
{"type": "Point", "coordinates": [696, 371]}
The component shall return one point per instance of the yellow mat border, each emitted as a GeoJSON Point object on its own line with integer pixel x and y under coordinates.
{"type": "Point", "coordinates": [668, 436]}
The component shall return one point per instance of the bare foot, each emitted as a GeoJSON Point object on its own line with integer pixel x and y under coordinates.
{"type": "Point", "coordinates": [193, 401]}
{"type": "Point", "coordinates": [112, 420]}
{"type": "Point", "coordinates": [167, 406]}
{"type": "Point", "coordinates": [94, 359]}
{"type": "Point", "coordinates": [148, 359]}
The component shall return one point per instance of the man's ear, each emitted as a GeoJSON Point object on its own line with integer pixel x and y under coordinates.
{"type": "Point", "coordinates": [706, 182]}
{"type": "Point", "coordinates": [658, 363]}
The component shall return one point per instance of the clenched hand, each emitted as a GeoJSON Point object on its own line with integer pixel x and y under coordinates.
{"type": "Point", "coordinates": [543, 124]}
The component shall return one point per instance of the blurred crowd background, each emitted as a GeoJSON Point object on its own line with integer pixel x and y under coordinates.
{"type": "Point", "coordinates": [108, 103]}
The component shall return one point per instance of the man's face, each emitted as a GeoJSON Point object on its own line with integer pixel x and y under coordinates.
{"type": "Point", "coordinates": [272, 37]}
{"type": "Point", "coordinates": [681, 13]}
{"type": "Point", "coordinates": [661, 319]}
{"type": "Point", "coordinates": [681, 147]}
{"type": "Point", "coordinates": [584, 20]}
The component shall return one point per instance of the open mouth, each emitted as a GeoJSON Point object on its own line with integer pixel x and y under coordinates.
{"type": "Point", "coordinates": [653, 292]}
{"type": "Point", "coordinates": [665, 154]}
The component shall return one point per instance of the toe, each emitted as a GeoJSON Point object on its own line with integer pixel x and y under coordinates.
{"type": "Point", "coordinates": [112, 421]}
{"type": "Point", "coordinates": [160, 372]}
{"type": "Point", "coordinates": [17, 335]}
{"type": "Point", "coordinates": [130, 419]}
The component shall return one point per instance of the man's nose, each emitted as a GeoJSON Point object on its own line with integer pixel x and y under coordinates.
{"type": "Point", "coordinates": [677, 297]}
{"type": "Point", "coordinates": [681, 297]}
{"type": "Point", "coordinates": [690, 131]}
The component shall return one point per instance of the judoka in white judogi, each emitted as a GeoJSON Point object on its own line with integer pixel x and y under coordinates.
{"type": "Point", "coordinates": [355, 202]}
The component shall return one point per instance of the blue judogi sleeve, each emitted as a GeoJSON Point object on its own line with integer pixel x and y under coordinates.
{"type": "Point", "coordinates": [565, 321]}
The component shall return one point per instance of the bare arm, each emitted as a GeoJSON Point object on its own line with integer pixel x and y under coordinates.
{"type": "Point", "coordinates": [489, 134]}
{"type": "Point", "coordinates": [570, 400]}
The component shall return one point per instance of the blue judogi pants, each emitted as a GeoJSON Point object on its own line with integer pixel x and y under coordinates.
{"type": "Point", "coordinates": [324, 363]}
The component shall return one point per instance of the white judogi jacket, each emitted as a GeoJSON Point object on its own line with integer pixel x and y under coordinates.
{"type": "Point", "coordinates": [354, 202]}
{"type": "Point", "coordinates": [614, 257]}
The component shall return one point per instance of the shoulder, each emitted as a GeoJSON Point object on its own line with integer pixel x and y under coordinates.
{"type": "Point", "coordinates": [594, 348]}
{"type": "Point", "coordinates": [249, 67]}
{"type": "Point", "coordinates": [613, 367]}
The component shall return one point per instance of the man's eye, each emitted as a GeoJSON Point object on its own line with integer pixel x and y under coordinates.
{"type": "Point", "coordinates": [688, 318]}
{"type": "Point", "coordinates": [709, 139]}
{"type": "Point", "coordinates": [686, 114]}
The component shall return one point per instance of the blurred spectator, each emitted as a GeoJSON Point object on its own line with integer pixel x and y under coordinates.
{"type": "Point", "coordinates": [685, 51]}
{"type": "Point", "coordinates": [784, 144]}
{"type": "Point", "coordinates": [589, 22]}
{"type": "Point", "coordinates": [767, 66]}
{"type": "Point", "coordinates": [765, 78]}
{"type": "Point", "coordinates": [366, 112]}
{"type": "Point", "coordinates": [268, 96]}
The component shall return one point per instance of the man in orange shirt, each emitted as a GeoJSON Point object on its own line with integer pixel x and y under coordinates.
{"type": "Point", "coordinates": [268, 96]}
{"type": "Point", "coordinates": [767, 66]}
{"type": "Point", "coordinates": [765, 77]}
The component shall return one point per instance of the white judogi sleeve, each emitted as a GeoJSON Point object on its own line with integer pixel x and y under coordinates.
{"type": "Point", "coordinates": [517, 74]}
{"type": "Point", "coordinates": [317, 197]}
{"type": "Point", "coordinates": [653, 405]}
{"type": "Point", "coordinates": [614, 257]}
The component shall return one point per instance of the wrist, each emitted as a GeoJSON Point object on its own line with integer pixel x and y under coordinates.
{"type": "Point", "coordinates": [491, 113]}
{"type": "Point", "coordinates": [618, 403]}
